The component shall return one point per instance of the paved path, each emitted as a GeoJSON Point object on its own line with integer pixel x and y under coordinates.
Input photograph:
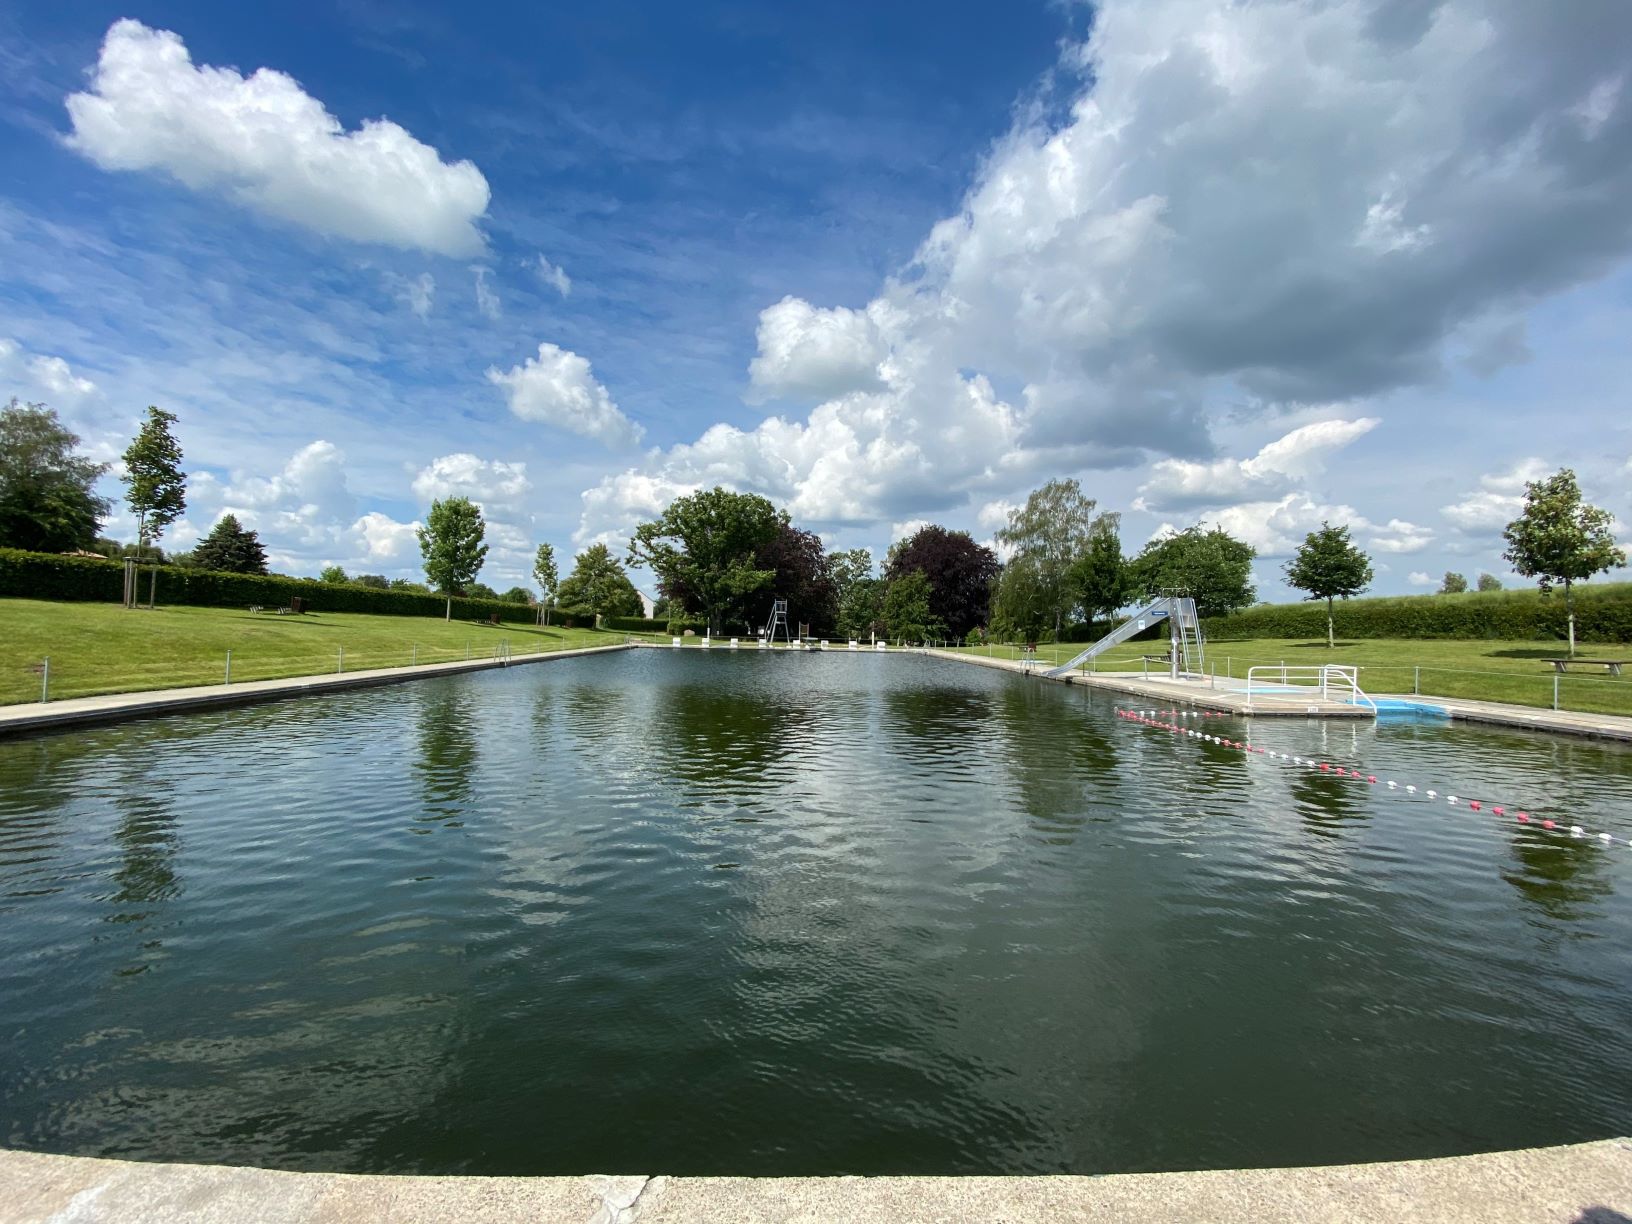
{"type": "Point", "coordinates": [1589, 1183]}
{"type": "Point", "coordinates": [1198, 694]}
{"type": "Point", "coordinates": [119, 707]}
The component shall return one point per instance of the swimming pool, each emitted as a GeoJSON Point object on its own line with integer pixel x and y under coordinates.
{"type": "Point", "coordinates": [692, 913]}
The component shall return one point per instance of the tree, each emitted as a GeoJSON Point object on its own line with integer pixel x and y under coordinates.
{"type": "Point", "coordinates": [704, 551]}
{"type": "Point", "coordinates": [334, 575]}
{"type": "Point", "coordinates": [860, 596]}
{"type": "Point", "coordinates": [1212, 565]}
{"type": "Point", "coordinates": [230, 548]}
{"type": "Point", "coordinates": [1559, 539]}
{"type": "Point", "coordinates": [1328, 566]}
{"type": "Point", "coordinates": [801, 575]}
{"type": "Point", "coordinates": [378, 582]}
{"type": "Point", "coordinates": [47, 503]}
{"type": "Point", "coordinates": [547, 577]}
{"type": "Point", "coordinates": [1099, 577]}
{"type": "Point", "coordinates": [404, 584]}
{"type": "Point", "coordinates": [1452, 584]}
{"type": "Point", "coordinates": [906, 611]}
{"type": "Point", "coordinates": [1047, 535]}
{"type": "Point", "coordinates": [1489, 582]}
{"type": "Point", "coordinates": [157, 487]}
{"type": "Point", "coordinates": [960, 572]}
{"type": "Point", "coordinates": [517, 595]}
{"type": "Point", "coordinates": [451, 545]}
{"type": "Point", "coordinates": [598, 581]}
{"type": "Point", "coordinates": [479, 590]}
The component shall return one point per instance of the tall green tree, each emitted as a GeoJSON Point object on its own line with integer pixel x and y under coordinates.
{"type": "Point", "coordinates": [156, 487]}
{"type": "Point", "coordinates": [599, 581]}
{"type": "Point", "coordinates": [547, 577]}
{"type": "Point", "coordinates": [1099, 578]}
{"type": "Point", "coordinates": [231, 548]}
{"type": "Point", "coordinates": [47, 502]}
{"type": "Point", "coordinates": [1046, 536]}
{"type": "Point", "coordinates": [1328, 566]}
{"type": "Point", "coordinates": [1488, 582]}
{"type": "Point", "coordinates": [1452, 584]}
{"type": "Point", "coordinates": [860, 595]}
{"type": "Point", "coordinates": [334, 575]}
{"type": "Point", "coordinates": [704, 551]}
{"type": "Point", "coordinates": [1558, 538]}
{"type": "Point", "coordinates": [1211, 564]}
{"type": "Point", "coordinates": [960, 570]}
{"type": "Point", "coordinates": [906, 611]}
{"type": "Point", "coordinates": [452, 548]}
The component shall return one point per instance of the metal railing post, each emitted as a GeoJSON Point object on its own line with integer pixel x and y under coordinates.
{"type": "Point", "coordinates": [45, 680]}
{"type": "Point", "coordinates": [1555, 690]}
{"type": "Point", "coordinates": [1416, 681]}
{"type": "Point", "coordinates": [228, 678]}
{"type": "Point", "coordinates": [413, 655]}
{"type": "Point", "coordinates": [340, 661]}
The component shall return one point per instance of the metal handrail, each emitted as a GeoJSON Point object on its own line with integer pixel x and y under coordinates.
{"type": "Point", "coordinates": [1329, 675]}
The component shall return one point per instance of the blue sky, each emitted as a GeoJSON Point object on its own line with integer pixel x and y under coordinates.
{"type": "Point", "coordinates": [1261, 265]}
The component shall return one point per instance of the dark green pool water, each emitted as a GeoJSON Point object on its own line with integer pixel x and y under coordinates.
{"type": "Point", "coordinates": [688, 913]}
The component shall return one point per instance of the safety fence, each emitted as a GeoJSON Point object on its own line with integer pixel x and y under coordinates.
{"type": "Point", "coordinates": [1541, 685]}
{"type": "Point", "coordinates": [46, 679]}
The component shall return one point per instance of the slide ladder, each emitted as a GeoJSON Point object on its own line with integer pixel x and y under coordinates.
{"type": "Point", "coordinates": [1185, 651]}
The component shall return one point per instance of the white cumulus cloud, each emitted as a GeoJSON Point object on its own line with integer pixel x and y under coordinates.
{"type": "Point", "coordinates": [495, 485]}
{"type": "Point", "coordinates": [264, 142]}
{"type": "Point", "coordinates": [558, 388]}
{"type": "Point", "coordinates": [805, 350]}
{"type": "Point", "coordinates": [1275, 469]}
{"type": "Point", "coordinates": [1498, 499]}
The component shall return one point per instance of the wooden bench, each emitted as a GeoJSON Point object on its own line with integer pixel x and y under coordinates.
{"type": "Point", "coordinates": [1614, 665]}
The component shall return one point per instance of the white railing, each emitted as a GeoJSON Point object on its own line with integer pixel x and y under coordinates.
{"type": "Point", "coordinates": [1335, 681]}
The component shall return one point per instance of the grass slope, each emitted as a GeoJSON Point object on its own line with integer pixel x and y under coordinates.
{"type": "Point", "coordinates": [103, 648]}
{"type": "Point", "coordinates": [1514, 672]}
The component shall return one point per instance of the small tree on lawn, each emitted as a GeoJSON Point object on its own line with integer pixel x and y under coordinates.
{"type": "Point", "coordinates": [451, 544]}
{"type": "Point", "coordinates": [157, 492]}
{"type": "Point", "coordinates": [547, 577]}
{"type": "Point", "coordinates": [1328, 566]}
{"type": "Point", "coordinates": [230, 548]}
{"type": "Point", "coordinates": [1452, 584]}
{"type": "Point", "coordinates": [1559, 539]}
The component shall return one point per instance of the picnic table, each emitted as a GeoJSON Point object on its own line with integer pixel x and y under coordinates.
{"type": "Point", "coordinates": [1614, 665]}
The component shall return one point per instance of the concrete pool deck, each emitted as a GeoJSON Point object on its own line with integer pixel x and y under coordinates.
{"type": "Point", "coordinates": [35, 716]}
{"type": "Point", "coordinates": [1586, 1183]}
{"type": "Point", "coordinates": [1199, 695]}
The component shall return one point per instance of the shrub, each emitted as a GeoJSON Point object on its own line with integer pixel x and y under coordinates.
{"type": "Point", "coordinates": [1603, 614]}
{"type": "Point", "coordinates": [47, 576]}
{"type": "Point", "coordinates": [635, 624]}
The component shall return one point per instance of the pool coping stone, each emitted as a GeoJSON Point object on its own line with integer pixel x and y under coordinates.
{"type": "Point", "coordinates": [1585, 1183]}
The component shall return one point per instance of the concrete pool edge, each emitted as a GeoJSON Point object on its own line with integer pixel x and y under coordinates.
{"type": "Point", "coordinates": [25, 719]}
{"type": "Point", "coordinates": [1586, 1183]}
{"type": "Point", "coordinates": [1613, 727]}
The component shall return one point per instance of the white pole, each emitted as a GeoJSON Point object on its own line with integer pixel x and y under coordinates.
{"type": "Point", "coordinates": [340, 661]}
{"type": "Point", "coordinates": [228, 679]}
{"type": "Point", "coordinates": [1555, 690]}
{"type": "Point", "coordinates": [45, 680]}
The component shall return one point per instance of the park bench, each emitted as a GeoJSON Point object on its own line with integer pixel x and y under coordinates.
{"type": "Point", "coordinates": [1613, 665]}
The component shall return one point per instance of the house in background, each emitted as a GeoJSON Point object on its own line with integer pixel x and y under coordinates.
{"type": "Point", "coordinates": [648, 605]}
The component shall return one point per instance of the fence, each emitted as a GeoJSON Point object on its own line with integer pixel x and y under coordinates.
{"type": "Point", "coordinates": [1544, 689]}
{"type": "Point", "coordinates": [45, 680]}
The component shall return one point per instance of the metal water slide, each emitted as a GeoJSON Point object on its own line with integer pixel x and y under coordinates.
{"type": "Point", "coordinates": [1185, 652]}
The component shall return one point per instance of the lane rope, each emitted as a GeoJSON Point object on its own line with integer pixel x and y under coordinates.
{"type": "Point", "coordinates": [1155, 719]}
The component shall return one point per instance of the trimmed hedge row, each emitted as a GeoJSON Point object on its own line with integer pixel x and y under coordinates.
{"type": "Point", "coordinates": [29, 575]}
{"type": "Point", "coordinates": [651, 624]}
{"type": "Point", "coordinates": [1603, 613]}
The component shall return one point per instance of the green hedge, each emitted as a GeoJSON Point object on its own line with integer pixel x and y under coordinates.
{"type": "Point", "coordinates": [48, 576]}
{"type": "Point", "coordinates": [573, 617]}
{"type": "Point", "coordinates": [636, 624]}
{"type": "Point", "coordinates": [1603, 613]}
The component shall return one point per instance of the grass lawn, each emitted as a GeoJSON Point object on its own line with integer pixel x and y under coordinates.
{"type": "Point", "coordinates": [104, 648]}
{"type": "Point", "coordinates": [1514, 672]}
